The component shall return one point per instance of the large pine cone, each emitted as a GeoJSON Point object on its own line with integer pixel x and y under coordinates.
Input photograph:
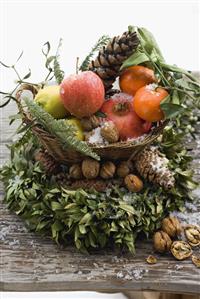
{"type": "Point", "coordinates": [111, 57]}
{"type": "Point", "coordinates": [48, 163]}
{"type": "Point", "coordinates": [153, 166]}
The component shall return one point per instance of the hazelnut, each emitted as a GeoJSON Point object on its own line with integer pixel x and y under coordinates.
{"type": "Point", "coordinates": [107, 170]}
{"type": "Point", "coordinates": [192, 233]}
{"type": "Point", "coordinates": [162, 241]}
{"type": "Point", "coordinates": [90, 168]}
{"type": "Point", "coordinates": [124, 168]}
{"type": "Point", "coordinates": [181, 250]}
{"type": "Point", "coordinates": [133, 183]}
{"type": "Point", "coordinates": [75, 171]}
{"type": "Point", "coordinates": [171, 226]}
{"type": "Point", "coordinates": [110, 132]}
{"type": "Point", "coordinates": [151, 259]}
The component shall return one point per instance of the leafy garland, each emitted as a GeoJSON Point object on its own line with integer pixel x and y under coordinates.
{"type": "Point", "coordinates": [92, 219]}
{"type": "Point", "coordinates": [88, 218]}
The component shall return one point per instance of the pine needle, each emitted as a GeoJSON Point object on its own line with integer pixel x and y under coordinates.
{"type": "Point", "coordinates": [102, 41]}
{"type": "Point", "coordinates": [60, 129]}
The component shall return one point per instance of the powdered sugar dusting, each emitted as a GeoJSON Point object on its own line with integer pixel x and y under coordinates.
{"type": "Point", "coordinates": [132, 274]}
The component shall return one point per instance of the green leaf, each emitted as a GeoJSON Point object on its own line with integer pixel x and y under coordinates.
{"type": "Point", "coordinates": [27, 75]}
{"type": "Point", "coordinates": [136, 58]}
{"type": "Point", "coordinates": [171, 110]}
{"type": "Point", "coordinates": [56, 206]}
{"type": "Point", "coordinates": [46, 48]}
{"type": "Point", "coordinates": [126, 207]}
{"type": "Point", "coordinates": [173, 68]}
{"type": "Point", "coordinates": [86, 219]}
{"type": "Point", "coordinates": [149, 42]}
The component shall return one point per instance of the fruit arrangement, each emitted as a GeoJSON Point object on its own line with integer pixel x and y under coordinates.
{"type": "Point", "coordinates": [93, 146]}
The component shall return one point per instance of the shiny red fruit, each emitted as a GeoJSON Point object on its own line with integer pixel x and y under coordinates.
{"type": "Point", "coordinates": [119, 109]}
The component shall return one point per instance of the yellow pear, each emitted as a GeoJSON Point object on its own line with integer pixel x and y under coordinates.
{"type": "Point", "coordinates": [49, 98]}
{"type": "Point", "coordinates": [78, 127]}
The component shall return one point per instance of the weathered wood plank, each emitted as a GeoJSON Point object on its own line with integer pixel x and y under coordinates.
{"type": "Point", "coordinates": [30, 262]}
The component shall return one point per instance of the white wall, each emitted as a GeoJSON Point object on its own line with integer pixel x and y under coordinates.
{"type": "Point", "coordinates": [26, 25]}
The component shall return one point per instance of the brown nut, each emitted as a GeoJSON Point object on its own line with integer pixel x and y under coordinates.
{"type": "Point", "coordinates": [107, 170]}
{"type": "Point", "coordinates": [133, 183]}
{"type": "Point", "coordinates": [192, 233]}
{"type": "Point", "coordinates": [90, 168]}
{"type": "Point", "coordinates": [124, 168]}
{"type": "Point", "coordinates": [181, 250]}
{"type": "Point", "coordinates": [162, 241]}
{"type": "Point", "coordinates": [89, 123]}
{"type": "Point", "coordinates": [171, 226]}
{"type": "Point", "coordinates": [75, 171]}
{"type": "Point", "coordinates": [151, 259]}
{"type": "Point", "coordinates": [110, 132]}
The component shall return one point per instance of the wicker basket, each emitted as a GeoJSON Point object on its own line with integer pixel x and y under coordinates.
{"type": "Point", "coordinates": [114, 151]}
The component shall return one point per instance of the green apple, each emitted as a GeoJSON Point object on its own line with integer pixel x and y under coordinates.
{"type": "Point", "coordinates": [49, 98]}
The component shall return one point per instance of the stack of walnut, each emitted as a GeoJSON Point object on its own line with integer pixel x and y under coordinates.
{"type": "Point", "coordinates": [171, 229]}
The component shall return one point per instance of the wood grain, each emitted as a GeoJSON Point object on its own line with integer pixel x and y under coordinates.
{"type": "Point", "coordinates": [29, 262]}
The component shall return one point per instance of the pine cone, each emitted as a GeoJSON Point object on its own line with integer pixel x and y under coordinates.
{"type": "Point", "coordinates": [110, 57]}
{"type": "Point", "coordinates": [48, 163]}
{"type": "Point", "coordinates": [153, 166]}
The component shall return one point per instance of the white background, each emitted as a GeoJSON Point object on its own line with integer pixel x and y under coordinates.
{"type": "Point", "coordinates": [27, 25]}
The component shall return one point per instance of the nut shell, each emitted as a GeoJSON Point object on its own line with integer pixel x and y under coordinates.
{"type": "Point", "coordinates": [75, 171]}
{"type": "Point", "coordinates": [107, 170]}
{"type": "Point", "coordinates": [133, 183]}
{"type": "Point", "coordinates": [162, 241]}
{"type": "Point", "coordinates": [171, 226]}
{"type": "Point", "coordinates": [192, 233]}
{"type": "Point", "coordinates": [89, 123]}
{"type": "Point", "coordinates": [181, 250]}
{"type": "Point", "coordinates": [110, 132]}
{"type": "Point", "coordinates": [90, 168]}
{"type": "Point", "coordinates": [124, 168]}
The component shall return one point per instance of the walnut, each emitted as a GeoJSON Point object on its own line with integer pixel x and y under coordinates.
{"type": "Point", "coordinates": [90, 168]}
{"type": "Point", "coordinates": [171, 226]}
{"type": "Point", "coordinates": [181, 250]}
{"type": "Point", "coordinates": [75, 171]}
{"type": "Point", "coordinates": [107, 170]}
{"type": "Point", "coordinates": [162, 241]}
{"type": "Point", "coordinates": [192, 233]}
{"type": "Point", "coordinates": [196, 260]}
{"type": "Point", "coordinates": [124, 168]}
{"type": "Point", "coordinates": [133, 183]}
{"type": "Point", "coordinates": [110, 132]}
{"type": "Point", "coordinates": [89, 123]}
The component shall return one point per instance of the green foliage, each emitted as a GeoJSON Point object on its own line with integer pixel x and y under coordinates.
{"type": "Point", "coordinates": [60, 129]}
{"type": "Point", "coordinates": [88, 218]}
{"type": "Point", "coordinates": [102, 41]}
{"type": "Point", "coordinates": [58, 73]}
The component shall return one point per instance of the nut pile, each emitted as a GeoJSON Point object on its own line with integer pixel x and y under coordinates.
{"type": "Point", "coordinates": [165, 240]}
{"type": "Point", "coordinates": [91, 169]}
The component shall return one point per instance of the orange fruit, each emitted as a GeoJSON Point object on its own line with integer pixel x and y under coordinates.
{"type": "Point", "coordinates": [146, 103]}
{"type": "Point", "coordinates": [135, 77]}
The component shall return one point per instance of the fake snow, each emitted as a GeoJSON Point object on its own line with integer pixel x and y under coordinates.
{"type": "Point", "coordinates": [191, 217]}
{"type": "Point", "coordinates": [135, 274]}
{"type": "Point", "coordinates": [96, 137]}
{"type": "Point", "coordinates": [151, 87]}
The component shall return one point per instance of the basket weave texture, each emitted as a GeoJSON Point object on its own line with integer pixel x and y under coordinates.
{"type": "Point", "coordinates": [115, 151]}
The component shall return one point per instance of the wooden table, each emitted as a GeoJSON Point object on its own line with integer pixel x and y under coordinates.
{"type": "Point", "coordinates": [32, 263]}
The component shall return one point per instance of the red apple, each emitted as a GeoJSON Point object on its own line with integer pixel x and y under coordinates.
{"type": "Point", "coordinates": [119, 109]}
{"type": "Point", "coordinates": [82, 94]}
